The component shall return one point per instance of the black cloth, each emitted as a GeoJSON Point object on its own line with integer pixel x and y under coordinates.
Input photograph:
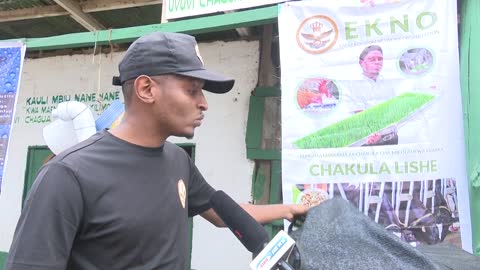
{"type": "Point", "coordinates": [335, 235]}
{"type": "Point", "coordinates": [109, 204]}
{"type": "Point", "coordinates": [448, 257]}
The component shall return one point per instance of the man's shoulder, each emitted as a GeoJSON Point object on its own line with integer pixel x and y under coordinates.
{"type": "Point", "coordinates": [81, 146]}
{"type": "Point", "coordinates": [175, 153]}
{"type": "Point", "coordinates": [83, 151]}
{"type": "Point", "coordinates": [172, 148]}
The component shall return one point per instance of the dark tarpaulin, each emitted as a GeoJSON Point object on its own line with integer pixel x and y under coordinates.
{"type": "Point", "coordinates": [335, 235]}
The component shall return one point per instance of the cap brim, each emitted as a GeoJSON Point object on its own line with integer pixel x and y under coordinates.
{"type": "Point", "coordinates": [214, 82]}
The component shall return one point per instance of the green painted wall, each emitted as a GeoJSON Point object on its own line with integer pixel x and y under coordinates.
{"type": "Point", "coordinates": [470, 78]}
{"type": "Point", "coordinates": [3, 257]}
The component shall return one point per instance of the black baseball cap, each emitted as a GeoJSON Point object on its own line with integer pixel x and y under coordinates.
{"type": "Point", "coordinates": [169, 53]}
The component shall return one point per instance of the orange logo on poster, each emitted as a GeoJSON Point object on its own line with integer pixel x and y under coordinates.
{"type": "Point", "coordinates": [182, 192]}
{"type": "Point", "coordinates": [317, 34]}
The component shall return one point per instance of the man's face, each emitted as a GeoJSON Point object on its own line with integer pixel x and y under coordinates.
{"type": "Point", "coordinates": [179, 105]}
{"type": "Point", "coordinates": [372, 64]}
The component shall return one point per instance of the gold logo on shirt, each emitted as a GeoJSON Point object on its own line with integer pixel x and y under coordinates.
{"type": "Point", "coordinates": [182, 192]}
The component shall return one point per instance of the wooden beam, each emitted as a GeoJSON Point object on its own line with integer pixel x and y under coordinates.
{"type": "Point", "coordinates": [87, 7]}
{"type": "Point", "coordinates": [264, 154]}
{"type": "Point", "coordinates": [104, 5]}
{"type": "Point", "coordinates": [256, 108]}
{"type": "Point", "coordinates": [276, 183]}
{"type": "Point", "coordinates": [268, 91]}
{"type": "Point", "coordinates": [32, 13]}
{"type": "Point", "coordinates": [207, 24]}
{"type": "Point", "coordinates": [266, 73]}
{"type": "Point", "coordinates": [78, 15]}
{"type": "Point", "coordinates": [242, 31]}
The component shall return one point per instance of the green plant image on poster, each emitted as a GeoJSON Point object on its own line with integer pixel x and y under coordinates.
{"type": "Point", "coordinates": [363, 124]}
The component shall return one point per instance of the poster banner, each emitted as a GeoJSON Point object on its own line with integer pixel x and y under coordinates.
{"type": "Point", "coordinates": [176, 9]}
{"type": "Point", "coordinates": [11, 62]}
{"type": "Point", "coordinates": [371, 112]}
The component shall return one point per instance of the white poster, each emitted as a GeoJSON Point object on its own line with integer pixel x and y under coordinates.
{"type": "Point", "coordinates": [371, 112]}
{"type": "Point", "coordinates": [11, 62]}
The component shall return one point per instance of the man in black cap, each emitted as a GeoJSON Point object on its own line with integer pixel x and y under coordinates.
{"type": "Point", "coordinates": [122, 198]}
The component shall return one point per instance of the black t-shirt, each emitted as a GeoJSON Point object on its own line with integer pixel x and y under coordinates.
{"type": "Point", "coordinates": [109, 204]}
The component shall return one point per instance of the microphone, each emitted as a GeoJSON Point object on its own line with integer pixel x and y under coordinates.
{"type": "Point", "coordinates": [274, 253]}
{"type": "Point", "coordinates": [252, 235]}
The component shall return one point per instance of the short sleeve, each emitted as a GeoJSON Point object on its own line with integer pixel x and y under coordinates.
{"type": "Point", "coordinates": [49, 221]}
{"type": "Point", "coordinates": [199, 192]}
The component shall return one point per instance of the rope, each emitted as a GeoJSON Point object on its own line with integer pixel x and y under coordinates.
{"type": "Point", "coordinates": [414, 223]}
{"type": "Point", "coordinates": [110, 42]}
{"type": "Point", "coordinates": [99, 79]}
{"type": "Point", "coordinates": [95, 47]}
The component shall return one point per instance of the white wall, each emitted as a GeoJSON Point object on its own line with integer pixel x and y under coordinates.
{"type": "Point", "coordinates": [220, 141]}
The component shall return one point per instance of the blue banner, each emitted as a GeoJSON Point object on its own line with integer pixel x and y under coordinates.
{"type": "Point", "coordinates": [11, 62]}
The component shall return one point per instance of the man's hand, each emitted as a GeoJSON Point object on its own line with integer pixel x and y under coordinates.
{"type": "Point", "coordinates": [295, 210]}
{"type": "Point", "coordinates": [269, 212]}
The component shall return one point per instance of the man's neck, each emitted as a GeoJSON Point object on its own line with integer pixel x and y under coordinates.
{"type": "Point", "coordinates": [139, 134]}
{"type": "Point", "coordinates": [371, 76]}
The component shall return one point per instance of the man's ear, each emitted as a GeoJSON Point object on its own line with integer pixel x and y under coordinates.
{"type": "Point", "coordinates": [143, 89]}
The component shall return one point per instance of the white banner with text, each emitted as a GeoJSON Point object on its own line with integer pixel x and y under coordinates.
{"type": "Point", "coordinates": [186, 8]}
{"type": "Point", "coordinates": [372, 112]}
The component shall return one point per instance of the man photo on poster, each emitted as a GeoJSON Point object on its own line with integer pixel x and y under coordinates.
{"type": "Point", "coordinates": [370, 91]}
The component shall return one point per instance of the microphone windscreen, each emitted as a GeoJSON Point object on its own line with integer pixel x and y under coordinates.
{"type": "Point", "coordinates": [252, 235]}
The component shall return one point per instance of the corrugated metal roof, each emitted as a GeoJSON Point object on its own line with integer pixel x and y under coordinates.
{"type": "Point", "coordinates": [64, 24]}
{"type": "Point", "coordinates": [120, 18]}
{"type": "Point", "coordinates": [18, 4]}
{"type": "Point", "coordinates": [58, 25]}
{"type": "Point", "coordinates": [50, 26]}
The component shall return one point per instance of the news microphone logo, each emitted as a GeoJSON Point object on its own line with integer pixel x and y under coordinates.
{"type": "Point", "coordinates": [273, 252]}
{"type": "Point", "coordinates": [238, 234]}
{"type": "Point", "coordinates": [280, 243]}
